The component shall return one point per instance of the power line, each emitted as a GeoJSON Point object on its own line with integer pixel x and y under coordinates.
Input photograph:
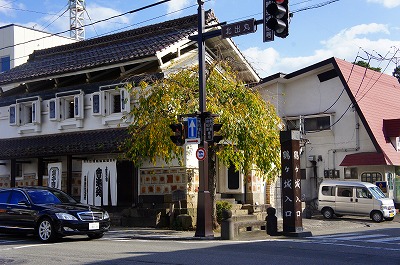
{"type": "Point", "coordinates": [57, 17]}
{"type": "Point", "coordinates": [91, 24]}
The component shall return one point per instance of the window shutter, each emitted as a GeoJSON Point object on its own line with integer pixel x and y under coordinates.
{"type": "Point", "coordinates": [78, 106]}
{"type": "Point", "coordinates": [106, 103]}
{"type": "Point", "coordinates": [125, 100]}
{"type": "Point", "coordinates": [97, 105]}
{"type": "Point", "coordinates": [54, 109]}
{"type": "Point", "coordinates": [13, 114]}
{"type": "Point", "coordinates": [36, 112]}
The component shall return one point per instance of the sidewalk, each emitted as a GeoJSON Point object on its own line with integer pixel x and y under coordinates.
{"type": "Point", "coordinates": [317, 225]}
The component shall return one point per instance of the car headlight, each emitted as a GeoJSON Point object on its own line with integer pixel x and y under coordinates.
{"type": "Point", "coordinates": [384, 207]}
{"type": "Point", "coordinates": [106, 216]}
{"type": "Point", "coordinates": [66, 216]}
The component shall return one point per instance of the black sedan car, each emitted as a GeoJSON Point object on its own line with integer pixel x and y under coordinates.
{"type": "Point", "coordinates": [49, 213]}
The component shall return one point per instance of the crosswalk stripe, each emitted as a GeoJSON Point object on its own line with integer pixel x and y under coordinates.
{"type": "Point", "coordinates": [360, 237]}
{"type": "Point", "coordinates": [381, 240]}
{"type": "Point", "coordinates": [334, 236]}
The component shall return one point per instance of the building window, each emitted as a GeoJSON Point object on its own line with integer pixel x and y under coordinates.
{"type": "Point", "coordinates": [111, 102]}
{"type": "Point", "coordinates": [390, 181]}
{"type": "Point", "coordinates": [350, 173]}
{"type": "Point", "coordinates": [309, 124]}
{"type": "Point", "coordinates": [68, 105]}
{"type": "Point", "coordinates": [25, 111]}
{"type": "Point", "coordinates": [371, 177]}
{"type": "Point", "coordinates": [5, 64]}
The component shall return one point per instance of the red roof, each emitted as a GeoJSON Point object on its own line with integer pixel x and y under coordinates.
{"type": "Point", "coordinates": [363, 159]}
{"type": "Point", "coordinates": [377, 96]}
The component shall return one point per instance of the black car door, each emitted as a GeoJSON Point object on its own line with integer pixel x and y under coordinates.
{"type": "Point", "coordinates": [4, 195]}
{"type": "Point", "coordinates": [20, 212]}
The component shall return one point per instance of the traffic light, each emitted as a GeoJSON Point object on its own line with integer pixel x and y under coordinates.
{"type": "Point", "coordinates": [216, 128]}
{"type": "Point", "coordinates": [179, 133]}
{"type": "Point", "coordinates": [277, 12]}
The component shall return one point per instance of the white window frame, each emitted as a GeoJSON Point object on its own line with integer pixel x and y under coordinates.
{"type": "Point", "coordinates": [296, 120]}
{"type": "Point", "coordinates": [27, 114]}
{"type": "Point", "coordinates": [62, 111]}
{"type": "Point", "coordinates": [107, 95]}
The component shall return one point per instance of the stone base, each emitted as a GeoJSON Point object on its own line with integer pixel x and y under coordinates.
{"type": "Point", "coordinates": [297, 234]}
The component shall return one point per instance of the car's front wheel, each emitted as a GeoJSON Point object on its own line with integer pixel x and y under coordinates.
{"type": "Point", "coordinates": [96, 235]}
{"type": "Point", "coordinates": [45, 230]}
{"type": "Point", "coordinates": [377, 216]}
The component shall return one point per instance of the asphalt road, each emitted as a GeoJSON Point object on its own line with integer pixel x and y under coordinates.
{"type": "Point", "coordinates": [337, 241]}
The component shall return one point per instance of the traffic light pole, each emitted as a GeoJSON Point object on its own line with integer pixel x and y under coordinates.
{"type": "Point", "coordinates": [204, 202]}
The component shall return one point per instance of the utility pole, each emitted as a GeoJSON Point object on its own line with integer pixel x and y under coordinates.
{"type": "Point", "coordinates": [77, 19]}
{"type": "Point", "coordinates": [204, 202]}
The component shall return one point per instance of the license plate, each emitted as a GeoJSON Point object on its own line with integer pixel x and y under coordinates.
{"type": "Point", "coordinates": [94, 226]}
{"type": "Point", "coordinates": [391, 214]}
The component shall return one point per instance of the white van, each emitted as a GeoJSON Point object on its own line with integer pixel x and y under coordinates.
{"type": "Point", "coordinates": [354, 198]}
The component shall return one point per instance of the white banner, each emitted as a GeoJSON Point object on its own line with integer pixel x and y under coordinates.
{"type": "Point", "coordinates": [99, 182]}
{"type": "Point", "coordinates": [55, 174]}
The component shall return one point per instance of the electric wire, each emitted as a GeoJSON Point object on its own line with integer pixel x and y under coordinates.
{"type": "Point", "coordinates": [56, 17]}
{"type": "Point", "coordinates": [96, 22]}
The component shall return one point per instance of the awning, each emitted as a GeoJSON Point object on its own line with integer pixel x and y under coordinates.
{"type": "Point", "coordinates": [364, 159]}
{"type": "Point", "coordinates": [73, 143]}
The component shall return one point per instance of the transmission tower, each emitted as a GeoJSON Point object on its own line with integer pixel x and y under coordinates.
{"type": "Point", "coordinates": [77, 19]}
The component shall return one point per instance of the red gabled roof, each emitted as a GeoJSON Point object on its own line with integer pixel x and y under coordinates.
{"type": "Point", "coordinates": [376, 97]}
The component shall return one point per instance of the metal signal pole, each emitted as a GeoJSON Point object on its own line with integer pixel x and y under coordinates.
{"type": "Point", "coordinates": [204, 202]}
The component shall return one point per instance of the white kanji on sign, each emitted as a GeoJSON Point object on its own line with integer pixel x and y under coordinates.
{"type": "Point", "coordinates": [286, 155]}
{"type": "Point", "coordinates": [297, 183]}
{"type": "Point", "coordinates": [287, 183]}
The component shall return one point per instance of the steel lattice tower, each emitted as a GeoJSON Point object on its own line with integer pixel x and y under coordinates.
{"type": "Point", "coordinates": [77, 19]}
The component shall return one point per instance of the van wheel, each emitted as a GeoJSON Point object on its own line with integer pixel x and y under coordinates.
{"type": "Point", "coordinates": [377, 216]}
{"type": "Point", "coordinates": [327, 213]}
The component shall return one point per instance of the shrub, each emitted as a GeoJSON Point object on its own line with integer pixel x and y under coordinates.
{"type": "Point", "coordinates": [222, 205]}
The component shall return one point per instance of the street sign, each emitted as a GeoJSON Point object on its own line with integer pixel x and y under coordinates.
{"type": "Point", "coordinates": [268, 34]}
{"type": "Point", "coordinates": [209, 122]}
{"type": "Point", "coordinates": [239, 28]}
{"type": "Point", "coordinates": [201, 153]}
{"type": "Point", "coordinates": [192, 141]}
{"type": "Point", "coordinates": [192, 128]}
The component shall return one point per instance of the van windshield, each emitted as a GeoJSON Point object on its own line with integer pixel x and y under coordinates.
{"type": "Point", "coordinates": [377, 192]}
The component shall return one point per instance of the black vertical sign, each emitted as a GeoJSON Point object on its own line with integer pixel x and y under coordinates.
{"type": "Point", "coordinates": [291, 179]}
{"type": "Point", "coordinates": [268, 34]}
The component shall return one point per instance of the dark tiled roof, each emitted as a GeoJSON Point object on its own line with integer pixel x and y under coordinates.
{"type": "Point", "coordinates": [74, 143]}
{"type": "Point", "coordinates": [107, 50]}
{"type": "Point", "coordinates": [11, 96]}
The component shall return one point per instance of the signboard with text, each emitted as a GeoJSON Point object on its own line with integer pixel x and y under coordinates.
{"type": "Point", "coordinates": [238, 28]}
{"type": "Point", "coordinates": [291, 180]}
{"type": "Point", "coordinates": [268, 34]}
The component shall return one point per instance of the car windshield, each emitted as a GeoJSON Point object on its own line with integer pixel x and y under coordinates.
{"type": "Point", "coordinates": [49, 197]}
{"type": "Point", "coordinates": [377, 192]}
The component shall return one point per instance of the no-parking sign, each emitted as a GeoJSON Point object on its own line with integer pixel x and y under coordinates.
{"type": "Point", "coordinates": [201, 153]}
